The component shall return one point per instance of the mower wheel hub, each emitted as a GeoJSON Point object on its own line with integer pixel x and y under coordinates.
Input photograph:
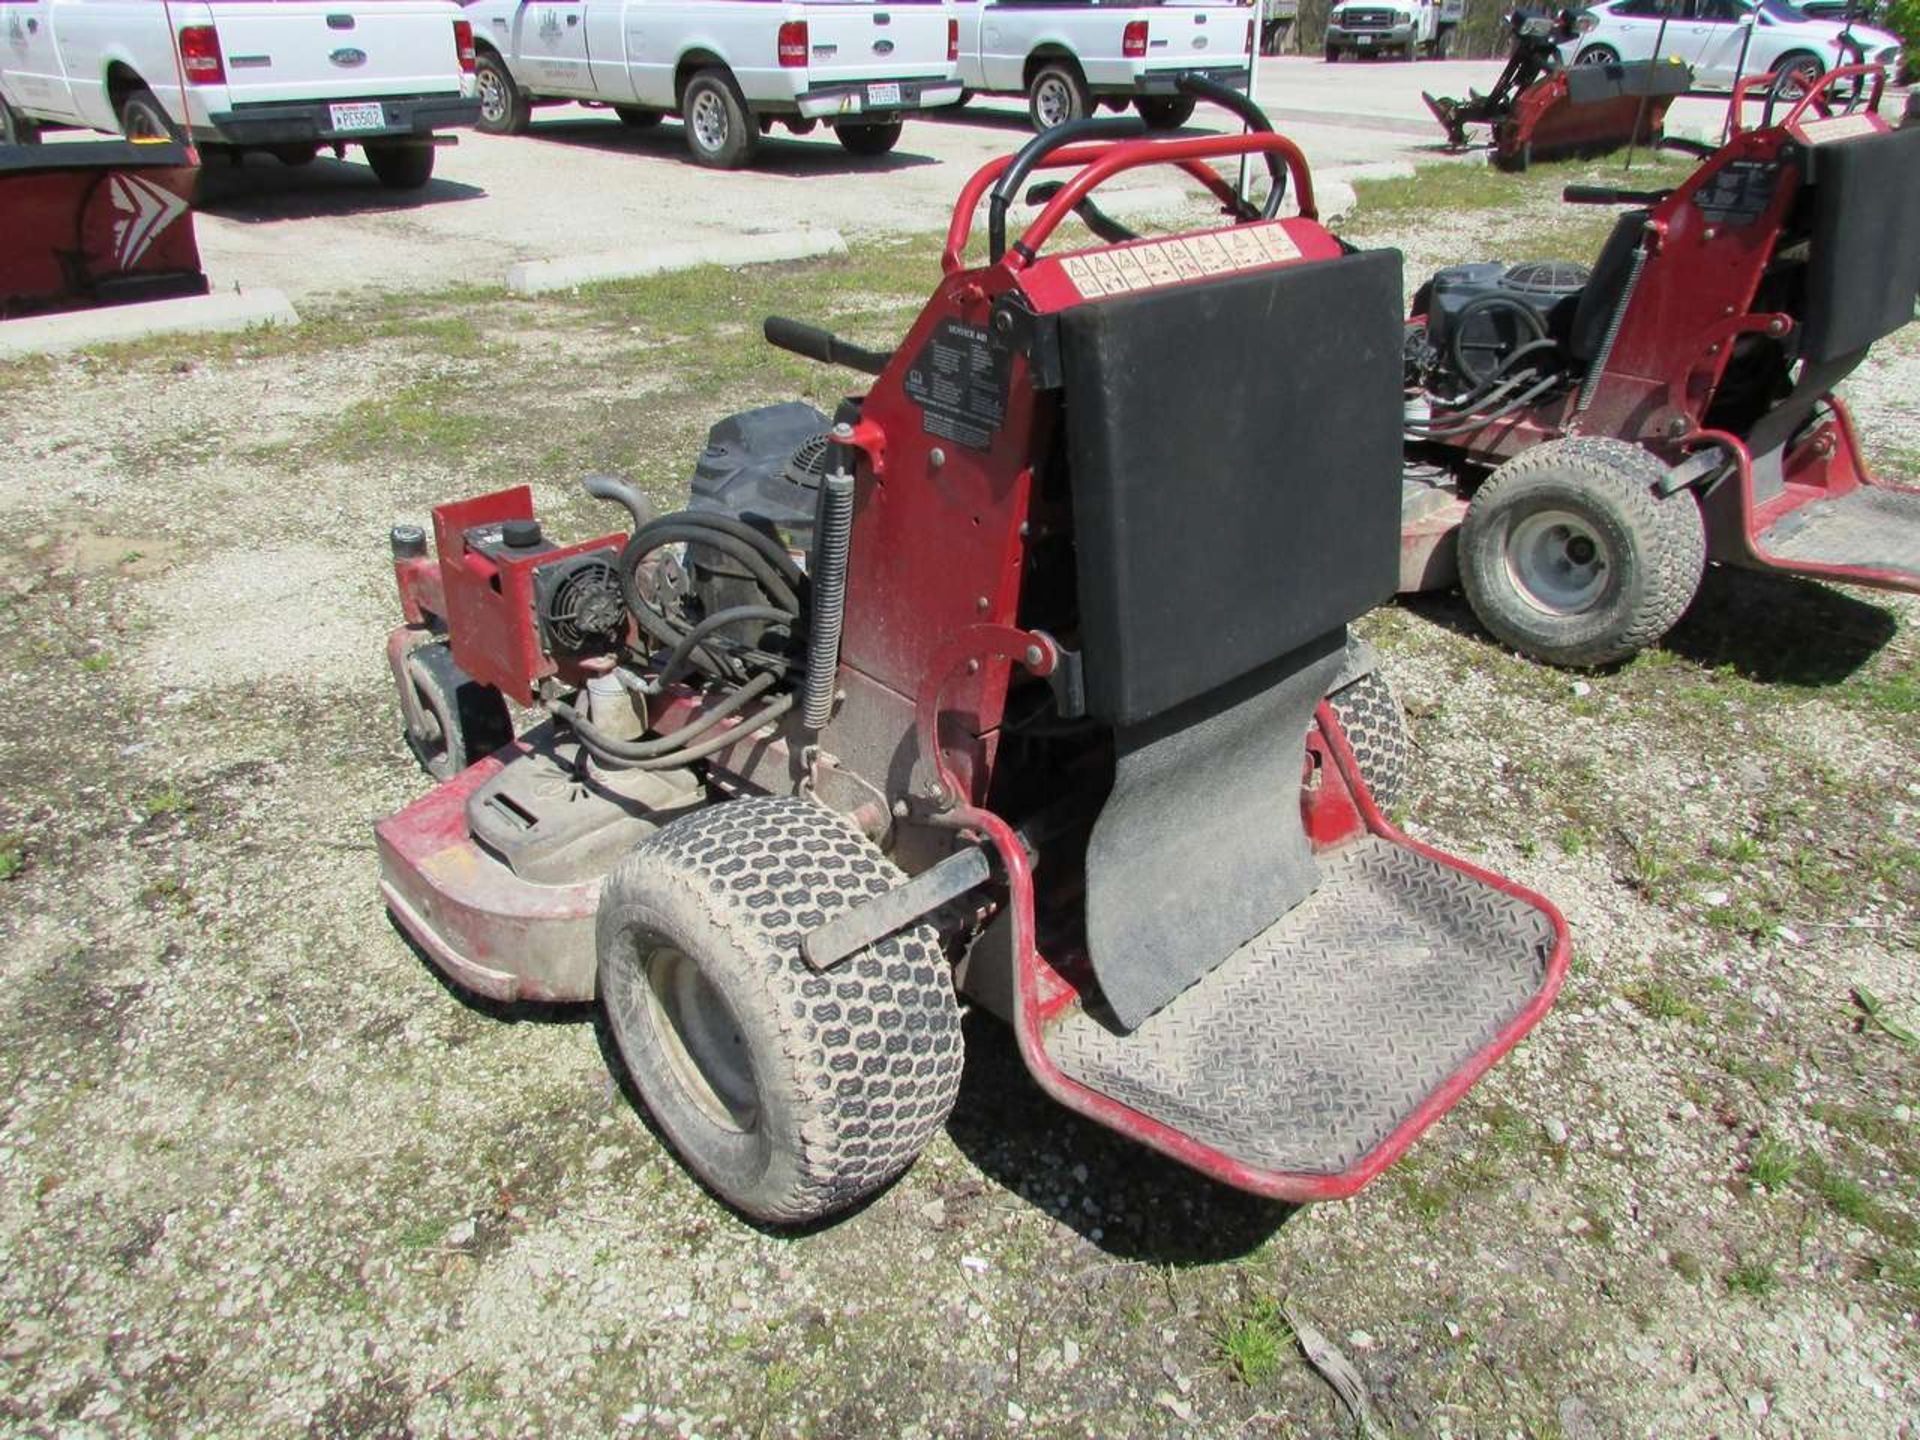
{"type": "Point", "coordinates": [1558, 561]}
{"type": "Point", "coordinates": [701, 1039]}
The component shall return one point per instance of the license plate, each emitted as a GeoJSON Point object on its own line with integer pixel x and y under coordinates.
{"type": "Point", "coordinates": [370, 116]}
{"type": "Point", "coordinates": [883, 95]}
{"type": "Point", "coordinates": [1363, 39]}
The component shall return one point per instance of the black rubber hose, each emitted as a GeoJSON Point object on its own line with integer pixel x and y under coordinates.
{"type": "Point", "coordinates": [630, 751]}
{"type": "Point", "coordinates": [612, 487]}
{"type": "Point", "coordinates": [1031, 154]}
{"type": "Point", "coordinates": [688, 528]}
{"type": "Point", "coordinates": [619, 753]}
{"type": "Point", "coordinates": [1468, 423]}
{"type": "Point", "coordinates": [1492, 382]}
{"type": "Point", "coordinates": [719, 620]}
{"type": "Point", "coordinates": [1205, 87]}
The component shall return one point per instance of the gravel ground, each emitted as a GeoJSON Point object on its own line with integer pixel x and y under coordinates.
{"type": "Point", "coordinates": [262, 1172]}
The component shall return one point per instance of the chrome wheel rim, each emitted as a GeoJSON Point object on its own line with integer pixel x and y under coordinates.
{"type": "Point", "coordinates": [1597, 56]}
{"type": "Point", "coordinates": [493, 96]}
{"type": "Point", "coordinates": [708, 118]}
{"type": "Point", "coordinates": [1558, 562]}
{"type": "Point", "coordinates": [1052, 101]}
{"type": "Point", "coordinates": [1797, 79]}
{"type": "Point", "coordinates": [700, 1040]}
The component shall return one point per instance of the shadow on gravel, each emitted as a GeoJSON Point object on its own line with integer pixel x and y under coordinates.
{"type": "Point", "coordinates": [1145, 1206]}
{"type": "Point", "coordinates": [817, 153]}
{"type": "Point", "coordinates": [263, 189]}
{"type": "Point", "coordinates": [508, 1012]}
{"type": "Point", "coordinates": [1778, 629]}
{"type": "Point", "coordinates": [1771, 629]}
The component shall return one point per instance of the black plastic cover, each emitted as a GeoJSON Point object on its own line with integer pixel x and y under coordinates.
{"type": "Point", "coordinates": [1864, 268]}
{"type": "Point", "coordinates": [1233, 449]}
{"type": "Point", "coordinates": [1591, 84]}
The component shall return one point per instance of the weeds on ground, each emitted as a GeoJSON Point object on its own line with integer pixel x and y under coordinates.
{"type": "Point", "coordinates": [1253, 1341]}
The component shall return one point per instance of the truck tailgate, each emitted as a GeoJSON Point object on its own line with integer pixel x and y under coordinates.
{"type": "Point", "coordinates": [874, 42]}
{"type": "Point", "coordinates": [1179, 36]}
{"type": "Point", "coordinates": [294, 50]}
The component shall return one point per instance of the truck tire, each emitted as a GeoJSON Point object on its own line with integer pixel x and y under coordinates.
{"type": "Point", "coordinates": [720, 132]}
{"type": "Point", "coordinates": [1164, 112]}
{"type": "Point", "coordinates": [15, 128]}
{"type": "Point", "coordinates": [1333, 54]}
{"type": "Point", "coordinates": [874, 139]}
{"type": "Point", "coordinates": [400, 164]}
{"type": "Point", "coordinates": [636, 117]}
{"type": "Point", "coordinates": [504, 107]}
{"type": "Point", "coordinates": [466, 721]}
{"type": "Point", "coordinates": [1569, 556]}
{"type": "Point", "coordinates": [1375, 725]}
{"type": "Point", "coordinates": [141, 117]}
{"type": "Point", "coordinates": [791, 1094]}
{"type": "Point", "coordinates": [1057, 95]}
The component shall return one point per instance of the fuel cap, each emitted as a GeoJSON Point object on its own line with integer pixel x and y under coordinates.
{"type": "Point", "coordinates": [521, 534]}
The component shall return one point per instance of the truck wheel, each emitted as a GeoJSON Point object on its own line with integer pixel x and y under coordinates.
{"type": "Point", "coordinates": [465, 720]}
{"type": "Point", "coordinates": [875, 139]}
{"type": "Point", "coordinates": [141, 117]}
{"type": "Point", "coordinates": [1568, 555]}
{"type": "Point", "coordinates": [400, 165]}
{"type": "Point", "coordinates": [504, 107]}
{"type": "Point", "coordinates": [1057, 95]}
{"type": "Point", "coordinates": [1333, 54]}
{"type": "Point", "coordinates": [1375, 725]}
{"type": "Point", "coordinates": [635, 117]}
{"type": "Point", "coordinates": [15, 128]}
{"type": "Point", "coordinates": [720, 133]}
{"type": "Point", "coordinates": [791, 1094]}
{"type": "Point", "coordinates": [1162, 112]}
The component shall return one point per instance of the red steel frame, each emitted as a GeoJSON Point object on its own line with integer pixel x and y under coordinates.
{"type": "Point", "coordinates": [1700, 283]}
{"type": "Point", "coordinates": [1545, 119]}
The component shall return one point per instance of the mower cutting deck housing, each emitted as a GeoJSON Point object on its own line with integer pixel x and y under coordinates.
{"type": "Point", "coordinates": [1047, 699]}
{"type": "Point", "coordinates": [1593, 438]}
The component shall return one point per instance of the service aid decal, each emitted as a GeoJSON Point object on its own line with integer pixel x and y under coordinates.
{"type": "Point", "coordinates": [1840, 127]}
{"type": "Point", "coordinates": [1154, 263]}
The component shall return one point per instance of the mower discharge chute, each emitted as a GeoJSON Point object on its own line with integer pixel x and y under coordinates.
{"type": "Point", "coordinates": [105, 222]}
{"type": "Point", "coordinates": [1593, 438]}
{"type": "Point", "coordinates": [1540, 108]}
{"type": "Point", "coordinates": [1026, 679]}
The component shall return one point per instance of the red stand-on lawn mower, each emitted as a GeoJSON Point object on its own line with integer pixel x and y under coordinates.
{"type": "Point", "coordinates": [1541, 109]}
{"type": "Point", "coordinates": [1024, 680]}
{"type": "Point", "coordinates": [1595, 437]}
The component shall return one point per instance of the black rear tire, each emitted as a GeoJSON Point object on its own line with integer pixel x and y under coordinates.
{"type": "Point", "coordinates": [1164, 112]}
{"type": "Point", "coordinates": [1375, 725]}
{"type": "Point", "coordinates": [868, 139]}
{"type": "Point", "coordinates": [720, 133]}
{"type": "Point", "coordinates": [1569, 556]}
{"type": "Point", "coordinates": [1058, 94]}
{"type": "Point", "coordinates": [466, 721]}
{"type": "Point", "coordinates": [504, 106]}
{"type": "Point", "coordinates": [400, 165]}
{"type": "Point", "coordinates": [142, 118]}
{"type": "Point", "coordinates": [791, 1094]}
{"type": "Point", "coordinates": [1333, 54]}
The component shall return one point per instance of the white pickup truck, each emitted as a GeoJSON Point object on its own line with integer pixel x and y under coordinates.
{"type": "Point", "coordinates": [1070, 56]}
{"type": "Point", "coordinates": [1393, 27]}
{"type": "Point", "coordinates": [283, 76]}
{"type": "Point", "coordinates": [728, 68]}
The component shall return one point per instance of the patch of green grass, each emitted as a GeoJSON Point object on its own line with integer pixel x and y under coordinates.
{"type": "Point", "coordinates": [1876, 1016]}
{"type": "Point", "coordinates": [1686, 1265]}
{"type": "Point", "coordinates": [1752, 1277]}
{"type": "Point", "coordinates": [1253, 1341]}
{"type": "Point", "coordinates": [1572, 840]}
{"type": "Point", "coordinates": [1663, 1001]}
{"type": "Point", "coordinates": [1771, 1166]}
{"type": "Point", "coordinates": [13, 856]}
{"type": "Point", "coordinates": [169, 799]}
{"type": "Point", "coordinates": [781, 1379]}
{"type": "Point", "coordinates": [424, 1234]}
{"type": "Point", "coordinates": [96, 663]}
{"type": "Point", "coordinates": [1900, 1270]}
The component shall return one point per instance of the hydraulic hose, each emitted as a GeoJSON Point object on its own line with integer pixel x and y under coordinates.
{"type": "Point", "coordinates": [738, 615]}
{"type": "Point", "coordinates": [631, 752]}
{"type": "Point", "coordinates": [607, 749]}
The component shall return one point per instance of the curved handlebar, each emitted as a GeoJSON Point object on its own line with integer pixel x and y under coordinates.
{"type": "Point", "coordinates": [1037, 150]}
{"type": "Point", "coordinates": [1205, 87]}
{"type": "Point", "coordinates": [1744, 90]}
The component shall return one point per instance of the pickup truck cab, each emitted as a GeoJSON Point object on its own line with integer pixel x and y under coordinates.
{"type": "Point", "coordinates": [1069, 57]}
{"type": "Point", "coordinates": [728, 68]}
{"type": "Point", "coordinates": [1393, 27]}
{"type": "Point", "coordinates": [288, 77]}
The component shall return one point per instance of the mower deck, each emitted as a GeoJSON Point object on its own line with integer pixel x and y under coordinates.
{"type": "Point", "coordinates": [1321, 1037]}
{"type": "Point", "coordinates": [1874, 529]}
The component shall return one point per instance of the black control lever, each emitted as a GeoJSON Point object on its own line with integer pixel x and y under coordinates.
{"type": "Point", "coordinates": [823, 345]}
{"type": "Point", "coordinates": [1611, 195]}
{"type": "Point", "coordinates": [1097, 220]}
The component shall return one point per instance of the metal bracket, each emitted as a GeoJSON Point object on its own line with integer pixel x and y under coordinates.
{"type": "Point", "coordinates": [853, 930]}
{"type": "Point", "coordinates": [1068, 681]}
{"type": "Point", "coordinates": [1708, 466]}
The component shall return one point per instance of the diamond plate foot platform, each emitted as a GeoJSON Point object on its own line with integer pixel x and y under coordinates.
{"type": "Point", "coordinates": [1874, 528]}
{"type": "Point", "coordinates": [1320, 1037]}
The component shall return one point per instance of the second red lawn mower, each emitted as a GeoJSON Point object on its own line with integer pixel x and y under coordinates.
{"type": "Point", "coordinates": [1024, 681]}
{"type": "Point", "coordinates": [1584, 441]}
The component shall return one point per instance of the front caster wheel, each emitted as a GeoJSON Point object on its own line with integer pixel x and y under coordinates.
{"type": "Point", "coordinates": [791, 1094]}
{"type": "Point", "coordinates": [1568, 555]}
{"type": "Point", "coordinates": [460, 720]}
